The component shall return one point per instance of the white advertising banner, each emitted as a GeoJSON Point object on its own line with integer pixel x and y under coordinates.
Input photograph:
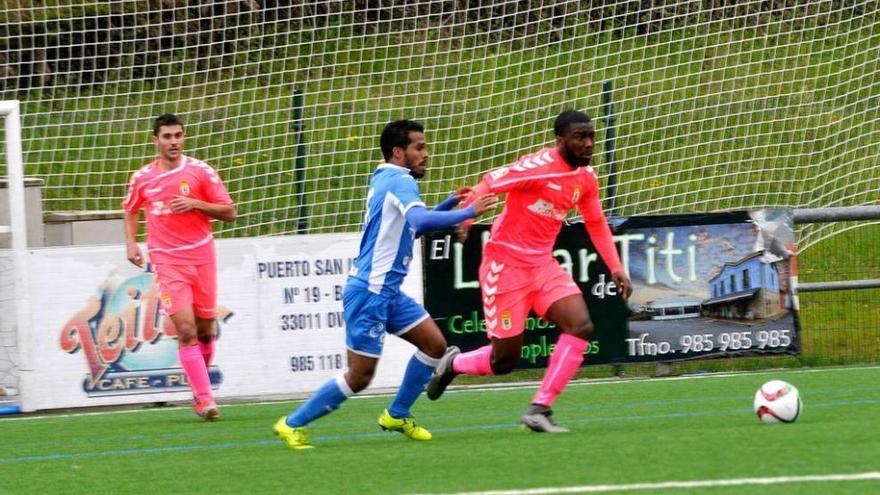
{"type": "Point", "coordinates": [98, 335]}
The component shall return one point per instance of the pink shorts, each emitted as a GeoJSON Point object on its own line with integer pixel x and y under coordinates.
{"type": "Point", "coordinates": [181, 286]}
{"type": "Point", "coordinates": [509, 292]}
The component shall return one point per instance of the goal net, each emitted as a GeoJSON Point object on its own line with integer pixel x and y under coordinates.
{"type": "Point", "coordinates": [720, 104]}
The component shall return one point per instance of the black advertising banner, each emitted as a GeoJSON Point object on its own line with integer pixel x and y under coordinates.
{"type": "Point", "coordinates": [704, 284]}
{"type": "Point", "coordinates": [452, 296]}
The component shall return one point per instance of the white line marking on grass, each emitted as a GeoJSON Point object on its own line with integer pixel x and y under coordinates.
{"type": "Point", "coordinates": [874, 475]}
{"type": "Point", "coordinates": [612, 381]}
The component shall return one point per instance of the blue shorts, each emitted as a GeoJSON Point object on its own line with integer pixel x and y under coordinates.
{"type": "Point", "coordinates": [369, 316]}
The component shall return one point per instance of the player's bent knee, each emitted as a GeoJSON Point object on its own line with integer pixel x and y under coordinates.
{"type": "Point", "coordinates": [435, 348]}
{"type": "Point", "coordinates": [503, 365]}
{"type": "Point", "coordinates": [583, 330]}
{"type": "Point", "coordinates": [186, 334]}
{"type": "Point", "coordinates": [358, 381]}
{"type": "Point", "coordinates": [587, 330]}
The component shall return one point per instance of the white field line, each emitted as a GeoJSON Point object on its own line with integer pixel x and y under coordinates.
{"type": "Point", "coordinates": [662, 485]}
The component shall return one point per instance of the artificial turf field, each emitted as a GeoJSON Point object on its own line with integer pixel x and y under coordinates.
{"type": "Point", "coordinates": [645, 432]}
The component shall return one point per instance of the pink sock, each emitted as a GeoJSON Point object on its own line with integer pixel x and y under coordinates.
{"type": "Point", "coordinates": [196, 372]}
{"type": "Point", "coordinates": [564, 363]}
{"type": "Point", "coordinates": [477, 362]}
{"type": "Point", "coordinates": [207, 351]}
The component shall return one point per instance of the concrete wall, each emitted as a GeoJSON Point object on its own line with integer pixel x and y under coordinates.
{"type": "Point", "coordinates": [76, 228]}
{"type": "Point", "coordinates": [68, 228]}
{"type": "Point", "coordinates": [33, 208]}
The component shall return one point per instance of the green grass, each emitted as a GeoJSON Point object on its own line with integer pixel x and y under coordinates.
{"type": "Point", "coordinates": [622, 432]}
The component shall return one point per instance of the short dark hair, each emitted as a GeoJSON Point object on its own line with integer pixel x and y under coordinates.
{"type": "Point", "coordinates": [166, 119]}
{"type": "Point", "coordinates": [568, 117]}
{"type": "Point", "coordinates": [396, 134]}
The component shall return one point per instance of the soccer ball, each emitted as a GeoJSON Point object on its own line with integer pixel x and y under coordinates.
{"type": "Point", "coordinates": [778, 402]}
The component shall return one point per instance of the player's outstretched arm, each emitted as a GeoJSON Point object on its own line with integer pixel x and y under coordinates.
{"type": "Point", "coordinates": [424, 220]}
{"type": "Point", "coordinates": [183, 204]}
{"type": "Point", "coordinates": [597, 227]}
{"type": "Point", "coordinates": [473, 194]}
{"type": "Point", "coordinates": [455, 198]}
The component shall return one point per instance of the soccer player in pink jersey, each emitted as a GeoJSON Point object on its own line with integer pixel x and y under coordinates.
{"type": "Point", "coordinates": [518, 272]}
{"type": "Point", "coordinates": [180, 196]}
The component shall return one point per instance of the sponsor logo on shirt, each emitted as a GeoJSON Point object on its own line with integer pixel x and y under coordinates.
{"type": "Point", "coordinates": [546, 209]}
{"type": "Point", "coordinates": [554, 186]}
{"type": "Point", "coordinates": [159, 208]}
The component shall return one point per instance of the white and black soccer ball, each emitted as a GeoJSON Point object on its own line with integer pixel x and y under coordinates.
{"type": "Point", "coordinates": [778, 402]}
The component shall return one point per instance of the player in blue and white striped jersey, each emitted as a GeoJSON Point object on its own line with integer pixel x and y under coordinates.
{"type": "Point", "coordinates": [372, 300]}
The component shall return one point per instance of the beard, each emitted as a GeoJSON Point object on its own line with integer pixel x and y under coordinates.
{"type": "Point", "coordinates": [575, 160]}
{"type": "Point", "coordinates": [408, 163]}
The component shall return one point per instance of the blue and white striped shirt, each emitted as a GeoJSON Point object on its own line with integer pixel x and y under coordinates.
{"type": "Point", "coordinates": [387, 243]}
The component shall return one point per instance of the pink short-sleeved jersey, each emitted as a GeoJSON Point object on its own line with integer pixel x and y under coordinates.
{"type": "Point", "coordinates": [541, 190]}
{"type": "Point", "coordinates": [177, 238]}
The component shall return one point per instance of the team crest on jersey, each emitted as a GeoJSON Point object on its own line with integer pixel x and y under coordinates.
{"type": "Point", "coordinates": [377, 331]}
{"type": "Point", "coordinates": [184, 188]}
{"type": "Point", "coordinates": [505, 320]}
{"type": "Point", "coordinates": [166, 300]}
{"type": "Point", "coordinates": [576, 195]}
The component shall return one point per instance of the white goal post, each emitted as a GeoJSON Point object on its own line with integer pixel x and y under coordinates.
{"type": "Point", "coordinates": [15, 344]}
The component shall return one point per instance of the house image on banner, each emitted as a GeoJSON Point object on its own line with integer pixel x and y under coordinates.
{"type": "Point", "coordinates": [747, 289]}
{"type": "Point", "coordinates": [674, 308]}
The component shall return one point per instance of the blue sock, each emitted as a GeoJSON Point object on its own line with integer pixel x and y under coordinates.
{"type": "Point", "coordinates": [418, 373]}
{"type": "Point", "coordinates": [326, 400]}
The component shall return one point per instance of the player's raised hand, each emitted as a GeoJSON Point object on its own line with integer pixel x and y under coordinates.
{"type": "Point", "coordinates": [134, 255]}
{"type": "Point", "coordinates": [462, 193]}
{"type": "Point", "coordinates": [183, 204]}
{"type": "Point", "coordinates": [485, 203]}
{"type": "Point", "coordinates": [623, 283]}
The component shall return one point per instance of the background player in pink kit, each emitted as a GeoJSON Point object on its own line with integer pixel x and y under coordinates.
{"type": "Point", "coordinates": [518, 272]}
{"type": "Point", "coordinates": [180, 195]}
